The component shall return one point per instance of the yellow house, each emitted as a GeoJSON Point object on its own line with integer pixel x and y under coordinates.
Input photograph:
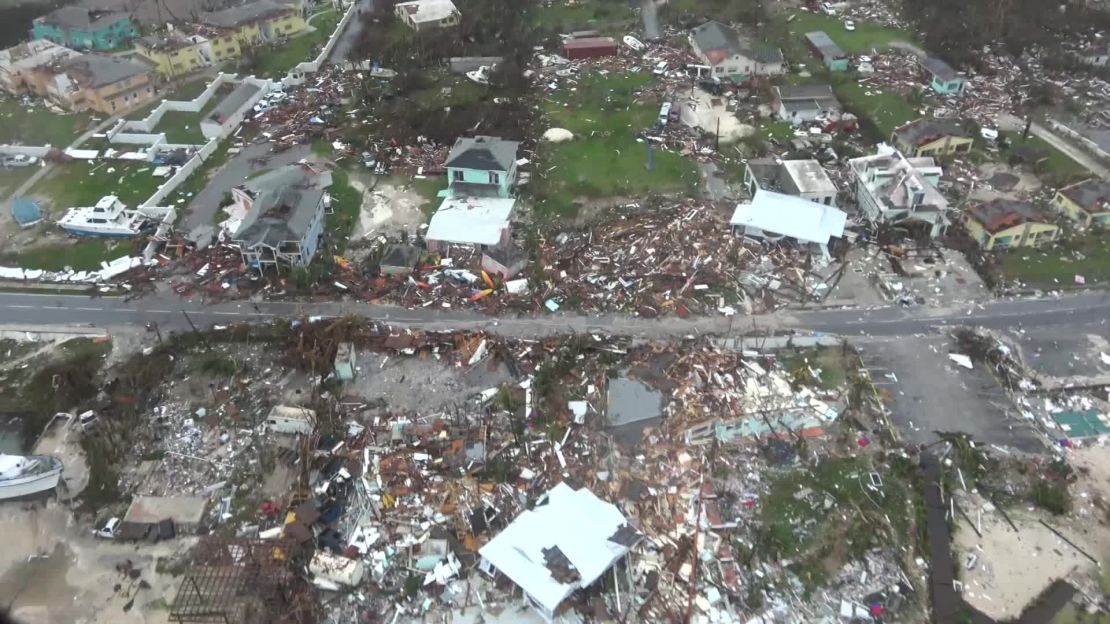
{"type": "Point", "coordinates": [1087, 202]}
{"type": "Point", "coordinates": [175, 54]}
{"type": "Point", "coordinates": [232, 30]}
{"type": "Point", "coordinates": [1002, 223]}
{"type": "Point", "coordinates": [931, 137]}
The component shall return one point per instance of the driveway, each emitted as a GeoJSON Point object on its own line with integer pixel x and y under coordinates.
{"type": "Point", "coordinates": [347, 39]}
{"type": "Point", "coordinates": [202, 210]}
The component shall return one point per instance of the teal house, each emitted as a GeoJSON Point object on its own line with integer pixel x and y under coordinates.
{"type": "Point", "coordinates": [942, 78]}
{"type": "Point", "coordinates": [826, 49]}
{"type": "Point", "coordinates": [84, 29]}
{"type": "Point", "coordinates": [482, 166]}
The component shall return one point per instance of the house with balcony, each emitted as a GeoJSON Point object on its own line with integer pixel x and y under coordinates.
{"type": "Point", "coordinates": [1087, 203]}
{"type": "Point", "coordinates": [731, 56]}
{"type": "Point", "coordinates": [284, 220]}
{"type": "Point", "coordinates": [800, 178]}
{"type": "Point", "coordinates": [892, 190]}
{"type": "Point", "coordinates": [85, 29]}
{"type": "Point", "coordinates": [1004, 223]}
{"type": "Point", "coordinates": [174, 53]}
{"type": "Point", "coordinates": [482, 166]}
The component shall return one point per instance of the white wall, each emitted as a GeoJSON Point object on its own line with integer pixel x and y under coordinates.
{"type": "Point", "coordinates": [29, 150]}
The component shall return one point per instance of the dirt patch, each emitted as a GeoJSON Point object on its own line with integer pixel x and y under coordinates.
{"type": "Point", "coordinates": [708, 113]}
{"type": "Point", "coordinates": [387, 209]}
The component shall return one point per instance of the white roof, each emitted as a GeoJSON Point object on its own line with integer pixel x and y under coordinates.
{"type": "Point", "coordinates": [790, 216]}
{"type": "Point", "coordinates": [427, 10]}
{"type": "Point", "coordinates": [470, 220]}
{"type": "Point", "coordinates": [577, 522]}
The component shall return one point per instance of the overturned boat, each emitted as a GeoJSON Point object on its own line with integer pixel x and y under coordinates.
{"type": "Point", "coordinates": [22, 476]}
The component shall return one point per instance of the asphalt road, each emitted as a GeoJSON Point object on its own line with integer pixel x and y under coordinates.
{"type": "Point", "coordinates": [342, 49]}
{"type": "Point", "coordinates": [1084, 312]}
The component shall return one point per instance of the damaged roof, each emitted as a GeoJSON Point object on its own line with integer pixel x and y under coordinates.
{"type": "Point", "coordinates": [285, 202]}
{"type": "Point", "coordinates": [245, 13]}
{"type": "Point", "coordinates": [97, 71]}
{"type": "Point", "coordinates": [1000, 214]}
{"type": "Point", "coordinates": [80, 18]}
{"type": "Point", "coordinates": [1091, 195]}
{"type": "Point", "coordinates": [471, 220]}
{"type": "Point", "coordinates": [798, 218]}
{"type": "Point", "coordinates": [483, 152]}
{"type": "Point", "coordinates": [943, 71]}
{"type": "Point", "coordinates": [927, 130]}
{"type": "Point", "coordinates": [565, 543]}
{"type": "Point", "coordinates": [719, 42]}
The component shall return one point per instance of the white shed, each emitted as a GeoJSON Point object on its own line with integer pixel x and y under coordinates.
{"type": "Point", "coordinates": [291, 420]}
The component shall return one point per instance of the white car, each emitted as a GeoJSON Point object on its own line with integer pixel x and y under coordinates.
{"type": "Point", "coordinates": [108, 531]}
{"type": "Point", "coordinates": [20, 160]}
{"type": "Point", "coordinates": [849, 25]}
{"type": "Point", "coordinates": [660, 68]}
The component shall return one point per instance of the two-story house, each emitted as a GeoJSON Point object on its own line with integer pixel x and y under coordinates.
{"type": "Point", "coordinates": [801, 178]}
{"type": "Point", "coordinates": [233, 29]}
{"type": "Point", "coordinates": [82, 82]}
{"type": "Point", "coordinates": [423, 15]}
{"type": "Point", "coordinates": [481, 181]}
{"type": "Point", "coordinates": [175, 53]}
{"type": "Point", "coordinates": [19, 64]}
{"type": "Point", "coordinates": [891, 189]}
{"type": "Point", "coordinates": [482, 166]}
{"type": "Point", "coordinates": [1087, 202]}
{"type": "Point", "coordinates": [932, 137]}
{"type": "Point", "coordinates": [730, 56]}
{"type": "Point", "coordinates": [84, 29]}
{"type": "Point", "coordinates": [284, 220]}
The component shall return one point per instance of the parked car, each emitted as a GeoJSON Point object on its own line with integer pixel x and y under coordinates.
{"type": "Point", "coordinates": [108, 531]}
{"type": "Point", "coordinates": [660, 68]}
{"type": "Point", "coordinates": [87, 420]}
{"type": "Point", "coordinates": [849, 25]}
{"type": "Point", "coordinates": [20, 160]}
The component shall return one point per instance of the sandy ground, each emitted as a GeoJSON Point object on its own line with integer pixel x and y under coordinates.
{"type": "Point", "coordinates": [705, 111]}
{"type": "Point", "coordinates": [389, 209]}
{"type": "Point", "coordinates": [426, 386]}
{"type": "Point", "coordinates": [55, 572]}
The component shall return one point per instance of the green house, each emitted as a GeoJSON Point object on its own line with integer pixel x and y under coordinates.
{"type": "Point", "coordinates": [942, 78]}
{"type": "Point", "coordinates": [482, 166]}
{"type": "Point", "coordinates": [84, 29]}
{"type": "Point", "coordinates": [826, 49]}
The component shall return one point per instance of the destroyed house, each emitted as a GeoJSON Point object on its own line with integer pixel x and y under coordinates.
{"type": "Point", "coordinates": [18, 63]}
{"type": "Point", "coordinates": [826, 49]}
{"type": "Point", "coordinates": [580, 48]}
{"type": "Point", "coordinates": [891, 189]}
{"type": "Point", "coordinates": [942, 78]}
{"type": "Point", "coordinates": [1003, 223]}
{"type": "Point", "coordinates": [93, 82]}
{"type": "Point", "coordinates": [284, 216]}
{"type": "Point", "coordinates": [421, 15]}
{"type": "Point", "coordinates": [932, 137]}
{"type": "Point", "coordinates": [83, 28]}
{"type": "Point", "coordinates": [801, 178]}
{"type": "Point", "coordinates": [805, 103]}
{"type": "Point", "coordinates": [565, 543]}
{"type": "Point", "coordinates": [731, 56]}
{"type": "Point", "coordinates": [482, 166]}
{"type": "Point", "coordinates": [1087, 202]}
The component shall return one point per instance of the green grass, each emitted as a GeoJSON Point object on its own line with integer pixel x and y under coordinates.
{"type": "Point", "coordinates": [180, 92]}
{"type": "Point", "coordinates": [1058, 265]}
{"type": "Point", "coordinates": [585, 15]}
{"type": "Point", "coordinates": [827, 361]}
{"type": "Point", "coordinates": [449, 90]}
{"type": "Point", "coordinates": [83, 184]}
{"type": "Point", "coordinates": [10, 179]}
{"type": "Point", "coordinates": [429, 188]}
{"type": "Point", "coordinates": [1071, 614]}
{"type": "Point", "coordinates": [781, 130]}
{"type": "Point", "coordinates": [866, 37]}
{"type": "Point", "coordinates": [80, 254]}
{"type": "Point", "coordinates": [35, 125]}
{"type": "Point", "coordinates": [274, 61]}
{"type": "Point", "coordinates": [605, 159]}
{"type": "Point", "coordinates": [1060, 169]}
{"type": "Point", "coordinates": [346, 203]}
{"type": "Point", "coordinates": [886, 109]}
{"type": "Point", "coordinates": [183, 127]}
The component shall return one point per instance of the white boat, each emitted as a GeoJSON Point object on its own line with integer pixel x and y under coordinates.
{"type": "Point", "coordinates": [22, 476]}
{"type": "Point", "coordinates": [108, 218]}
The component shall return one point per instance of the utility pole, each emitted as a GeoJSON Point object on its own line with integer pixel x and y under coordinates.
{"type": "Point", "coordinates": [203, 340]}
{"type": "Point", "coordinates": [717, 143]}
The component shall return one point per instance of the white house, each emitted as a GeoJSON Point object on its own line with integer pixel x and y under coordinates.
{"type": "Point", "coordinates": [291, 420]}
{"type": "Point", "coordinates": [479, 221]}
{"type": "Point", "coordinates": [565, 543]}
{"type": "Point", "coordinates": [805, 103]}
{"type": "Point", "coordinates": [730, 56]}
{"type": "Point", "coordinates": [891, 189]}
{"type": "Point", "coordinates": [801, 178]}
{"type": "Point", "coordinates": [773, 216]}
{"type": "Point", "coordinates": [421, 15]}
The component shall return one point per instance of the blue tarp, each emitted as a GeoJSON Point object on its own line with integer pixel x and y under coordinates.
{"type": "Point", "coordinates": [26, 211]}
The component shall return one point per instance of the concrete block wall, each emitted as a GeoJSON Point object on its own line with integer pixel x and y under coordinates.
{"type": "Point", "coordinates": [37, 151]}
{"type": "Point", "coordinates": [181, 174]}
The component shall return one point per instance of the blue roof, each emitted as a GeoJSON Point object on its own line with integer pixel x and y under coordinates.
{"type": "Point", "coordinates": [26, 211]}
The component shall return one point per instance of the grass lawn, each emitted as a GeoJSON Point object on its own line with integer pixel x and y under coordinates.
{"type": "Point", "coordinates": [346, 202]}
{"type": "Point", "coordinates": [585, 15]}
{"type": "Point", "coordinates": [887, 110]}
{"type": "Point", "coordinates": [862, 40]}
{"type": "Point", "coordinates": [82, 184]}
{"type": "Point", "coordinates": [10, 179]}
{"type": "Point", "coordinates": [605, 159]}
{"type": "Point", "coordinates": [449, 90]}
{"type": "Point", "coordinates": [429, 188]}
{"type": "Point", "coordinates": [1058, 265]}
{"type": "Point", "coordinates": [184, 127]}
{"type": "Point", "coordinates": [275, 60]}
{"type": "Point", "coordinates": [827, 362]}
{"type": "Point", "coordinates": [182, 91]}
{"type": "Point", "coordinates": [81, 254]}
{"type": "Point", "coordinates": [1060, 168]}
{"type": "Point", "coordinates": [35, 125]}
